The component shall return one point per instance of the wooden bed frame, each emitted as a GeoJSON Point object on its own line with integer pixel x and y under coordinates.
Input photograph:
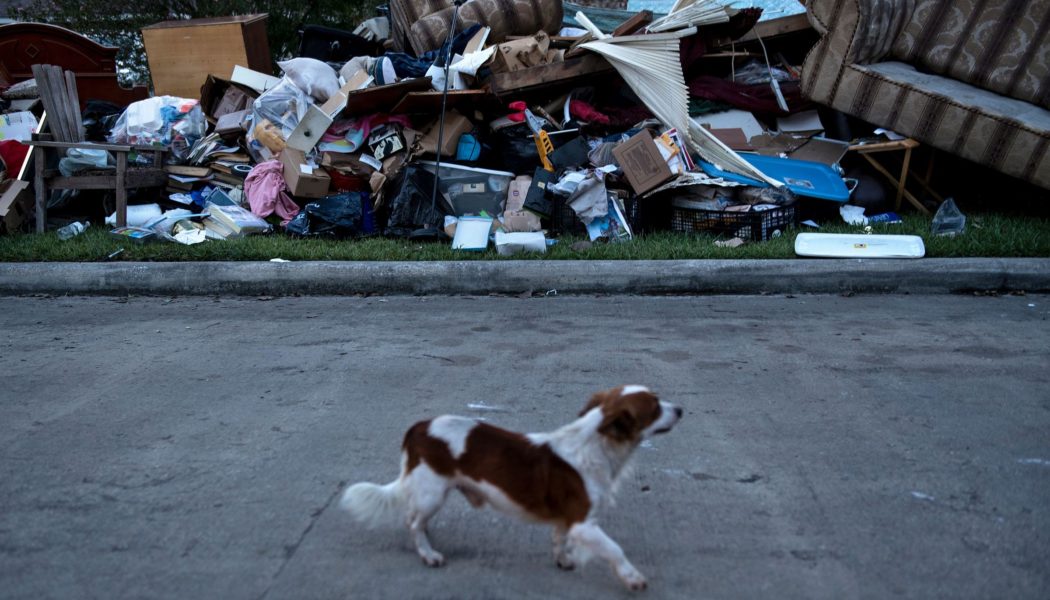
{"type": "Point", "coordinates": [23, 45]}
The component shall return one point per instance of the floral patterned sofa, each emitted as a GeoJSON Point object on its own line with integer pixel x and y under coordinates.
{"type": "Point", "coordinates": [970, 77]}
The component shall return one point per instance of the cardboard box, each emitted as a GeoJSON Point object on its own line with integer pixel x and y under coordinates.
{"type": "Point", "coordinates": [642, 162]}
{"type": "Point", "coordinates": [15, 204]}
{"type": "Point", "coordinates": [455, 126]}
{"type": "Point", "coordinates": [214, 93]}
{"type": "Point", "coordinates": [303, 181]}
{"type": "Point", "coordinates": [182, 53]}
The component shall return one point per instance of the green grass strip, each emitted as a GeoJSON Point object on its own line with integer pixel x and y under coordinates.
{"type": "Point", "coordinates": [985, 236]}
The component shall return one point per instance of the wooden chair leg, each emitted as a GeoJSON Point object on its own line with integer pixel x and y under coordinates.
{"type": "Point", "coordinates": [122, 190]}
{"type": "Point", "coordinates": [40, 186]}
{"type": "Point", "coordinates": [903, 181]}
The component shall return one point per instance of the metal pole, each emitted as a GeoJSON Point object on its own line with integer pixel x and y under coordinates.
{"type": "Point", "coordinates": [444, 99]}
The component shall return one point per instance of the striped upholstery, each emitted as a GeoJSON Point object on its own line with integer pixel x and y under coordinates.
{"type": "Point", "coordinates": [419, 26]}
{"type": "Point", "coordinates": [918, 67]}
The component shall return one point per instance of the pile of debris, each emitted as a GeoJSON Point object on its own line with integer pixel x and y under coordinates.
{"type": "Point", "coordinates": [462, 126]}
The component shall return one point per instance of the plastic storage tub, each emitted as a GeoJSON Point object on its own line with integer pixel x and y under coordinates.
{"type": "Point", "coordinates": [471, 190]}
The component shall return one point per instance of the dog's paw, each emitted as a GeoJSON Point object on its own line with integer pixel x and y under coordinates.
{"type": "Point", "coordinates": [564, 563]}
{"type": "Point", "coordinates": [433, 559]}
{"type": "Point", "coordinates": [634, 580]}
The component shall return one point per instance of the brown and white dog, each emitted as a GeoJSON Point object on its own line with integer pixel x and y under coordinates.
{"type": "Point", "coordinates": [559, 478]}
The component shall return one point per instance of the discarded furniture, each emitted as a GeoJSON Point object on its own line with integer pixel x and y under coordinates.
{"type": "Point", "coordinates": [183, 53]}
{"type": "Point", "coordinates": [969, 78]}
{"type": "Point", "coordinates": [900, 181]}
{"type": "Point", "coordinates": [422, 25]}
{"type": "Point", "coordinates": [58, 93]}
{"type": "Point", "coordinates": [23, 45]}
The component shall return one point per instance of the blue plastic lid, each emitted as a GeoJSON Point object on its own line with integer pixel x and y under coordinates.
{"type": "Point", "coordinates": [803, 177]}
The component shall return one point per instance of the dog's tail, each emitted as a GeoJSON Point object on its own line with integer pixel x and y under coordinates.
{"type": "Point", "coordinates": [374, 505]}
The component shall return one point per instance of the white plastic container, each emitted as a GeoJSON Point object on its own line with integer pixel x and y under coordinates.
{"type": "Point", "coordinates": [858, 245]}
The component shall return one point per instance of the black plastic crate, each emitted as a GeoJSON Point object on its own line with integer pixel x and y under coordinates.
{"type": "Point", "coordinates": [752, 225]}
{"type": "Point", "coordinates": [563, 219]}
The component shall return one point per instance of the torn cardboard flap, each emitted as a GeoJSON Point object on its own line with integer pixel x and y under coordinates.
{"type": "Point", "coordinates": [524, 53]}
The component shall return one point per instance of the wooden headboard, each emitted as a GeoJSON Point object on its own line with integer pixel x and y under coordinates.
{"type": "Point", "coordinates": [23, 45]}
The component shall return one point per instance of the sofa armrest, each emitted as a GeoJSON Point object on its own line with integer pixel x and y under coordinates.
{"type": "Point", "coordinates": [864, 30]}
{"type": "Point", "coordinates": [852, 32]}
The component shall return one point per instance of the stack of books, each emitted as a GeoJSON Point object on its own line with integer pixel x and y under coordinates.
{"type": "Point", "coordinates": [225, 221]}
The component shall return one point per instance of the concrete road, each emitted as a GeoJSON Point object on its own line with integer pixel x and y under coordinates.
{"type": "Point", "coordinates": [833, 447]}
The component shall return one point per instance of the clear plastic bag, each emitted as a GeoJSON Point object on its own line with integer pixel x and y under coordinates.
{"type": "Point", "coordinates": [167, 121]}
{"type": "Point", "coordinates": [284, 105]}
{"type": "Point", "coordinates": [948, 220]}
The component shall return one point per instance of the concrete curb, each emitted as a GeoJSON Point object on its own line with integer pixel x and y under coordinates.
{"type": "Point", "coordinates": [927, 276]}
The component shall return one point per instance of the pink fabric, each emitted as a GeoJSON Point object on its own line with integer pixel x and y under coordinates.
{"type": "Point", "coordinates": [337, 130]}
{"type": "Point", "coordinates": [268, 193]}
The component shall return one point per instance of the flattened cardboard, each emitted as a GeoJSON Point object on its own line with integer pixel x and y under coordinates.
{"type": "Point", "coordinates": [642, 162]}
{"type": "Point", "coordinates": [14, 203]}
{"type": "Point", "coordinates": [260, 82]}
{"type": "Point", "coordinates": [821, 150]}
{"type": "Point", "coordinates": [301, 184]}
{"type": "Point", "coordinates": [733, 137]}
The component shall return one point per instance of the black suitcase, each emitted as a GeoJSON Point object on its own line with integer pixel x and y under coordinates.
{"type": "Point", "coordinates": [331, 45]}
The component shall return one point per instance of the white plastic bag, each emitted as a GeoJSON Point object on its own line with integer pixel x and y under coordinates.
{"type": "Point", "coordinates": [312, 76]}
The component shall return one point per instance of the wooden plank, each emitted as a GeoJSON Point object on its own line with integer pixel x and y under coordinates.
{"type": "Point", "coordinates": [547, 75]}
{"type": "Point", "coordinates": [44, 90]}
{"type": "Point", "coordinates": [73, 121]}
{"type": "Point", "coordinates": [775, 27]}
{"type": "Point", "coordinates": [41, 190]}
{"type": "Point", "coordinates": [86, 146]}
{"type": "Point", "coordinates": [633, 24]}
{"type": "Point", "coordinates": [135, 178]}
{"type": "Point", "coordinates": [64, 132]}
{"type": "Point", "coordinates": [430, 102]}
{"type": "Point", "coordinates": [122, 190]}
{"type": "Point", "coordinates": [74, 102]}
{"type": "Point", "coordinates": [377, 99]}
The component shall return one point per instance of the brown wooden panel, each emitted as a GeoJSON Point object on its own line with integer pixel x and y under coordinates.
{"type": "Point", "coordinates": [182, 54]}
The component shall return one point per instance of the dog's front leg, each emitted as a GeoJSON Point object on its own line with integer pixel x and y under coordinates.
{"type": "Point", "coordinates": [561, 555]}
{"type": "Point", "coordinates": [588, 535]}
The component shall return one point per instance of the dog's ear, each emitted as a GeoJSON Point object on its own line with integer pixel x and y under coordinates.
{"type": "Point", "coordinates": [620, 425]}
{"type": "Point", "coordinates": [596, 400]}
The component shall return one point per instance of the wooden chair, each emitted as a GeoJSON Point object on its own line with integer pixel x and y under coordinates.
{"type": "Point", "coordinates": [58, 92]}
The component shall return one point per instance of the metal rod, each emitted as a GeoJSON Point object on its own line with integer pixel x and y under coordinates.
{"type": "Point", "coordinates": [444, 99]}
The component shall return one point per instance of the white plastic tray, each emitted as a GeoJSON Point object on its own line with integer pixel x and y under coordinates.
{"type": "Point", "coordinates": [854, 245]}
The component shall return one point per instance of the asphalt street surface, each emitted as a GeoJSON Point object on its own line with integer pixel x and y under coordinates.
{"type": "Point", "coordinates": [832, 447]}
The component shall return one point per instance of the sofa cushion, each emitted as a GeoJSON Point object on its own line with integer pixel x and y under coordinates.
{"type": "Point", "coordinates": [997, 45]}
{"type": "Point", "coordinates": [1006, 134]}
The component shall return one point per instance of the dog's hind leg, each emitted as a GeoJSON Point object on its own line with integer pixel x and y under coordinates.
{"type": "Point", "coordinates": [588, 535]}
{"type": "Point", "coordinates": [426, 493]}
